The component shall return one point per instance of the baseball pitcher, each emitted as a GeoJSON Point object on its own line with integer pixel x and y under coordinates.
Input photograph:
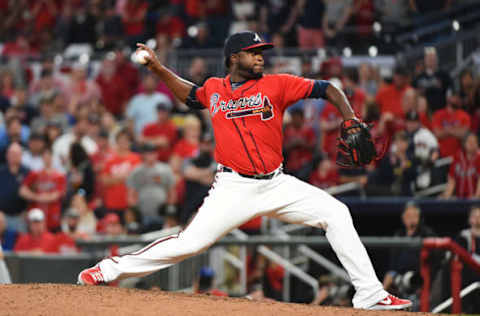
{"type": "Point", "coordinates": [246, 108]}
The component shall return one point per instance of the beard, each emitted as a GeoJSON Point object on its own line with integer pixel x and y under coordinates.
{"type": "Point", "coordinates": [248, 72]}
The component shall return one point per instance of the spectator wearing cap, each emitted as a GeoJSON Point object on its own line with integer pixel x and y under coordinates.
{"type": "Point", "coordinates": [46, 86]}
{"type": "Point", "coordinates": [12, 174]}
{"type": "Point", "coordinates": [48, 115]}
{"type": "Point", "coordinates": [389, 98]}
{"type": "Point", "coordinates": [32, 157]}
{"type": "Point", "coordinates": [142, 108]}
{"type": "Point", "coordinates": [45, 189]}
{"type": "Point", "coordinates": [162, 133]}
{"type": "Point", "coordinates": [464, 174]}
{"type": "Point", "coordinates": [150, 187]}
{"type": "Point", "coordinates": [433, 82]}
{"type": "Point", "coordinates": [299, 145]}
{"type": "Point", "coordinates": [450, 125]}
{"type": "Point", "coordinates": [205, 283]}
{"type": "Point", "coordinates": [38, 239]}
{"type": "Point", "coordinates": [61, 146]}
{"type": "Point", "coordinates": [423, 144]}
{"type": "Point", "coordinates": [115, 173]}
{"type": "Point", "coordinates": [8, 236]}
{"type": "Point", "coordinates": [111, 225]}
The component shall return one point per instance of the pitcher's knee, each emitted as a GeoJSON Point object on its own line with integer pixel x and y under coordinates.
{"type": "Point", "coordinates": [195, 246]}
{"type": "Point", "coordinates": [341, 213]}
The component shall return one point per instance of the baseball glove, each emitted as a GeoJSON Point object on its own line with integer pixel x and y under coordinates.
{"type": "Point", "coordinates": [355, 145]}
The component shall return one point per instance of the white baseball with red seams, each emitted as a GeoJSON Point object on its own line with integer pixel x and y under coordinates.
{"type": "Point", "coordinates": [140, 55]}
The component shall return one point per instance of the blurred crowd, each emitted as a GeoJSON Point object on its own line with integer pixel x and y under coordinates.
{"type": "Point", "coordinates": [112, 142]}
{"type": "Point", "coordinates": [31, 27]}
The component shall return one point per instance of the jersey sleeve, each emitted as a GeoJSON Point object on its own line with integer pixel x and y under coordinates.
{"type": "Point", "coordinates": [295, 88]}
{"type": "Point", "coordinates": [197, 98]}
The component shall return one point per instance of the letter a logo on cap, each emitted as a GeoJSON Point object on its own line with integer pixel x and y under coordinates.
{"type": "Point", "coordinates": [257, 38]}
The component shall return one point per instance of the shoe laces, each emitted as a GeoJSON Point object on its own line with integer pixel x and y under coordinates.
{"type": "Point", "coordinates": [97, 276]}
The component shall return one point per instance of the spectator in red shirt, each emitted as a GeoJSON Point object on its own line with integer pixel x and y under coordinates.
{"type": "Point", "coordinates": [126, 71]}
{"type": "Point", "coordinates": [187, 147]}
{"type": "Point", "coordinates": [45, 13]}
{"type": "Point", "coordinates": [45, 189]}
{"type": "Point", "coordinates": [38, 240]}
{"type": "Point", "coordinates": [299, 145]}
{"type": "Point", "coordinates": [463, 178]}
{"type": "Point", "coordinates": [163, 133]}
{"type": "Point", "coordinates": [115, 173]}
{"type": "Point", "coordinates": [325, 175]}
{"type": "Point", "coordinates": [115, 94]}
{"type": "Point", "coordinates": [133, 18]}
{"type": "Point", "coordinates": [450, 125]}
{"type": "Point", "coordinates": [389, 98]}
{"type": "Point", "coordinates": [330, 120]}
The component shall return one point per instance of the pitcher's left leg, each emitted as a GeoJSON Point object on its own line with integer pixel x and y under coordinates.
{"type": "Point", "coordinates": [309, 205]}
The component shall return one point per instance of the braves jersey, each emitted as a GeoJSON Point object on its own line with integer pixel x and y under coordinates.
{"type": "Point", "coordinates": [247, 121]}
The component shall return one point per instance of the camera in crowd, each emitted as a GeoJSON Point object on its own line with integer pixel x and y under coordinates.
{"type": "Point", "coordinates": [408, 283]}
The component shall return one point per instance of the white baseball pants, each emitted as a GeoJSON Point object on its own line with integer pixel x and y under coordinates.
{"type": "Point", "coordinates": [233, 200]}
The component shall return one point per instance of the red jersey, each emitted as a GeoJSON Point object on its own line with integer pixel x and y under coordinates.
{"type": "Point", "coordinates": [325, 178]}
{"type": "Point", "coordinates": [47, 182]}
{"type": "Point", "coordinates": [466, 174]}
{"type": "Point", "coordinates": [185, 149]}
{"type": "Point", "coordinates": [247, 121]}
{"type": "Point", "coordinates": [444, 119]}
{"type": "Point", "coordinates": [46, 243]}
{"type": "Point", "coordinates": [389, 99]}
{"type": "Point", "coordinates": [115, 195]}
{"type": "Point", "coordinates": [167, 129]}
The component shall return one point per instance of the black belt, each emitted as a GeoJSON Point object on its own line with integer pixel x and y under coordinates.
{"type": "Point", "coordinates": [250, 176]}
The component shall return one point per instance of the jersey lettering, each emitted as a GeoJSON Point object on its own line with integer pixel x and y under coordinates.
{"type": "Point", "coordinates": [265, 112]}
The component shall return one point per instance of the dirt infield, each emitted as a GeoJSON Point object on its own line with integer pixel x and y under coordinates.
{"type": "Point", "coordinates": [60, 299]}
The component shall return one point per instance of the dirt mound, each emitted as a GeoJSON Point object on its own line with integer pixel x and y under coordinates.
{"type": "Point", "coordinates": [61, 299]}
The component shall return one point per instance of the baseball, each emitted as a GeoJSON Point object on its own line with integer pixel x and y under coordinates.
{"type": "Point", "coordinates": [140, 57]}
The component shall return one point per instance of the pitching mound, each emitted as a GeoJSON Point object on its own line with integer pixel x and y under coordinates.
{"type": "Point", "coordinates": [60, 299]}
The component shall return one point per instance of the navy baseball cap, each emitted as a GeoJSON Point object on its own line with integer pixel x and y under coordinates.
{"type": "Point", "coordinates": [243, 41]}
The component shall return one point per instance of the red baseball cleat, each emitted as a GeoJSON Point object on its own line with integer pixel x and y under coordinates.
{"type": "Point", "coordinates": [91, 276]}
{"type": "Point", "coordinates": [391, 303]}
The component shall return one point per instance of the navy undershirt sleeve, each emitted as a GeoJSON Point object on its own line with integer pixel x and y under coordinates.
{"type": "Point", "coordinates": [319, 89]}
{"type": "Point", "coordinates": [192, 101]}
